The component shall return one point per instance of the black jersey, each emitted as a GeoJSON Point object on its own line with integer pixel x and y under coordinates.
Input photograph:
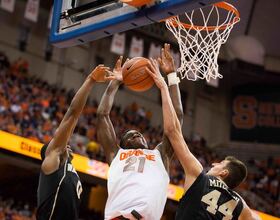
{"type": "Point", "coordinates": [209, 198]}
{"type": "Point", "coordinates": [59, 194]}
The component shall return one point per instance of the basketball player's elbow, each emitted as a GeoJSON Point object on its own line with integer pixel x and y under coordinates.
{"type": "Point", "coordinates": [71, 114]}
{"type": "Point", "coordinates": [170, 129]}
{"type": "Point", "coordinates": [101, 113]}
{"type": "Point", "coordinates": [74, 109]}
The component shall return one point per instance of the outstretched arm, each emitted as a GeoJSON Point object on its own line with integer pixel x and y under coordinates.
{"type": "Point", "coordinates": [105, 131]}
{"type": "Point", "coordinates": [167, 66]}
{"type": "Point", "coordinates": [57, 145]}
{"type": "Point", "coordinates": [173, 131]}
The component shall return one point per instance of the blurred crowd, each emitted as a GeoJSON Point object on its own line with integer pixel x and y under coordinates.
{"type": "Point", "coordinates": [264, 181]}
{"type": "Point", "coordinates": [15, 210]}
{"type": "Point", "coordinates": [32, 108]}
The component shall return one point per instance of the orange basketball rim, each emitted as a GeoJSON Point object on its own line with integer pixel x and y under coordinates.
{"type": "Point", "coordinates": [222, 5]}
{"type": "Point", "coordinates": [200, 44]}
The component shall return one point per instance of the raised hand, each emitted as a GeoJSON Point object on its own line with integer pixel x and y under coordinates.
{"type": "Point", "coordinates": [166, 61]}
{"type": "Point", "coordinates": [154, 72]}
{"type": "Point", "coordinates": [98, 74]}
{"type": "Point", "coordinates": [117, 71]}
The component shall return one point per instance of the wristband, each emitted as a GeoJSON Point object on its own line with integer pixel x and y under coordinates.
{"type": "Point", "coordinates": [173, 79]}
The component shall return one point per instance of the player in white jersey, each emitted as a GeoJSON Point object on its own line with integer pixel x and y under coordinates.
{"type": "Point", "coordinates": [138, 175]}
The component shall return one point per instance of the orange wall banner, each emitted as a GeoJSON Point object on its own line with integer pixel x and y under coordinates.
{"type": "Point", "coordinates": [82, 164]}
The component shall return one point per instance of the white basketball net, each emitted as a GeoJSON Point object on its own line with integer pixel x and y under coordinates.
{"type": "Point", "coordinates": [200, 45]}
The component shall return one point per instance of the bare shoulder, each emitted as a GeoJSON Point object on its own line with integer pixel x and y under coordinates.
{"type": "Point", "coordinates": [247, 213]}
{"type": "Point", "coordinates": [112, 154]}
{"type": "Point", "coordinates": [51, 159]}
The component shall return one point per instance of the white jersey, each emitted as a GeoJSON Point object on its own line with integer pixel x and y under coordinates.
{"type": "Point", "coordinates": [137, 180]}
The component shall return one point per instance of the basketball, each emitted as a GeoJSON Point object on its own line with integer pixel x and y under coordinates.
{"type": "Point", "coordinates": [135, 76]}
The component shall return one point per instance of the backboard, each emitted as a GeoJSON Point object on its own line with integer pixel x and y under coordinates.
{"type": "Point", "coordinates": [79, 21]}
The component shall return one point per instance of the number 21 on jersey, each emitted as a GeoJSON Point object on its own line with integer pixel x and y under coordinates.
{"type": "Point", "coordinates": [227, 208]}
{"type": "Point", "coordinates": [134, 164]}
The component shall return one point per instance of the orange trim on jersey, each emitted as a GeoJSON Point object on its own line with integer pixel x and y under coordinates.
{"type": "Point", "coordinates": [136, 153]}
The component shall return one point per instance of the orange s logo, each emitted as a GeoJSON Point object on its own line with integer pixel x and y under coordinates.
{"type": "Point", "coordinates": [244, 109]}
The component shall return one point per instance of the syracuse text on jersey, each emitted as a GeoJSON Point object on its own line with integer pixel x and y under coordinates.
{"type": "Point", "coordinates": [138, 152]}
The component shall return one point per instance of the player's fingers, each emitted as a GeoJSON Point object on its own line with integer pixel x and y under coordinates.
{"type": "Point", "coordinates": [155, 63]}
{"type": "Point", "coordinates": [160, 61]}
{"type": "Point", "coordinates": [109, 73]}
{"type": "Point", "coordinates": [167, 46]}
{"type": "Point", "coordinates": [150, 72]}
{"type": "Point", "coordinates": [152, 65]}
{"type": "Point", "coordinates": [110, 77]}
{"type": "Point", "coordinates": [167, 50]}
{"type": "Point", "coordinates": [127, 59]}
{"type": "Point", "coordinates": [162, 53]}
{"type": "Point", "coordinates": [119, 62]}
{"type": "Point", "coordinates": [104, 68]}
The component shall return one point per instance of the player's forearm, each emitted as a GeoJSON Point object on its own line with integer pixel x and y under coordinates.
{"type": "Point", "coordinates": [173, 131]}
{"type": "Point", "coordinates": [66, 127]}
{"type": "Point", "coordinates": [170, 120]}
{"type": "Point", "coordinates": [172, 127]}
{"type": "Point", "coordinates": [105, 131]}
{"type": "Point", "coordinates": [174, 91]}
{"type": "Point", "coordinates": [108, 97]}
{"type": "Point", "coordinates": [80, 98]}
{"type": "Point", "coordinates": [175, 95]}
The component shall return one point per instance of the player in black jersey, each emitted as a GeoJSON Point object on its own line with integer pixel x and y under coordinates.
{"type": "Point", "coordinates": [207, 196]}
{"type": "Point", "coordinates": [59, 187]}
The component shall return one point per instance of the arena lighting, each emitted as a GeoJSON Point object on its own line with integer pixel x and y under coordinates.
{"type": "Point", "coordinates": [30, 148]}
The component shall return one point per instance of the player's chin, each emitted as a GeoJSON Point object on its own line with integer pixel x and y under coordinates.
{"type": "Point", "coordinates": [211, 173]}
{"type": "Point", "coordinates": [142, 143]}
{"type": "Point", "coordinates": [139, 145]}
{"type": "Point", "coordinates": [142, 146]}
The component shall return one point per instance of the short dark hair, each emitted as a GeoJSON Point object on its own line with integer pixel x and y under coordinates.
{"type": "Point", "coordinates": [122, 140]}
{"type": "Point", "coordinates": [237, 172]}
